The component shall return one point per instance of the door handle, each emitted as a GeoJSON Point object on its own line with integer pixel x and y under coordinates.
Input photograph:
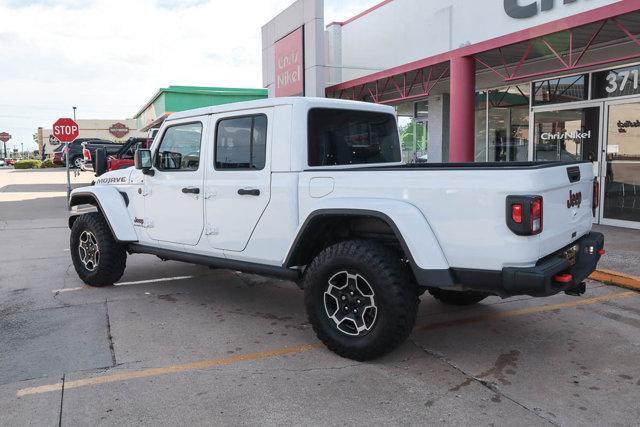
{"type": "Point", "coordinates": [251, 192]}
{"type": "Point", "coordinates": [191, 190]}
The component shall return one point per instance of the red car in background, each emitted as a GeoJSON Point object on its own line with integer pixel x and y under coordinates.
{"type": "Point", "coordinates": [58, 158]}
{"type": "Point", "coordinates": [123, 158]}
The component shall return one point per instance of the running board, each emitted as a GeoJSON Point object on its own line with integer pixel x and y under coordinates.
{"type": "Point", "coordinates": [215, 262]}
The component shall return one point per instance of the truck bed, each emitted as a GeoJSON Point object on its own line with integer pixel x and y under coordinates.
{"type": "Point", "coordinates": [467, 211]}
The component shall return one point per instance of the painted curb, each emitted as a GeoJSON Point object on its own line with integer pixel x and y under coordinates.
{"type": "Point", "coordinates": [616, 278]}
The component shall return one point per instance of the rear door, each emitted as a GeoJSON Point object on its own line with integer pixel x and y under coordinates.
{"type": "Point", "coordinates": [238, 181]}
{"type": "Point", "coordinates": [568, 202]}
{"type": "Point", "coordinates": [173, 195]}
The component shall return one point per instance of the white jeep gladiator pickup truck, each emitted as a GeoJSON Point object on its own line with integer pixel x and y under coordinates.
{"type": "Point", "coordinates": [315, 191]}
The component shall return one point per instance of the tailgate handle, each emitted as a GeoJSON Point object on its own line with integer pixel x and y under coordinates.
{"type": "Point", "coordinates": [573, 173]}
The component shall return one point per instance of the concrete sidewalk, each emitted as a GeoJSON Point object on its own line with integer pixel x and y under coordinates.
{"type": "Point", "coordinates": [623, 252]}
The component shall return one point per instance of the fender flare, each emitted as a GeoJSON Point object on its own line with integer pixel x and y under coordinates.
{"type": "Point", "coordinates": [407, 221]}
{"type": "Point", "coordinates": [113, 206]}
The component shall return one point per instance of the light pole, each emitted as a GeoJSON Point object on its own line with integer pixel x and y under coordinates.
{"type": "Point", "coordinates": [74, 113]}
{"type": "Point", "coordinates": [21, 149]}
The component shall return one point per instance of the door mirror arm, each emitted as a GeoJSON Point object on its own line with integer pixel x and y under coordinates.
{"type": "Point", "coordinates": [149, 172]}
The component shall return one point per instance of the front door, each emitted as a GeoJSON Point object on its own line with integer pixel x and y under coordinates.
{"type": "Point", "coordinates": [620, 202]}
{"type": "Point", "coordinates": [567, 134]}
{"type": "Point", "coordinates": [173, 200]}
{"type": "Point", "coordinates": [238, 182]}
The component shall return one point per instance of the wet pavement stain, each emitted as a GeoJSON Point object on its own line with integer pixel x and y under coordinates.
{"type": "Point", "coordinates": [507, 360]}
{"type": "Point", "coordinates": [168, 298]}
{"type": "Point", "coordinates": [630, 321]}
{"type": "Point", "coordinates": [465, 383]}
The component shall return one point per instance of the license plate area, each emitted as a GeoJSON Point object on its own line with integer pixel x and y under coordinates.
{"type": "Point", "coordinates": [571, 254]}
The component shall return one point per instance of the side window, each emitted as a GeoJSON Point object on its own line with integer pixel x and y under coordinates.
{"type": "Point", "coordinates": [350, 137]}
{"type": "Point", "coordinates": [180, 148]}
{"type": "Point", "coordinates": [241, 143]}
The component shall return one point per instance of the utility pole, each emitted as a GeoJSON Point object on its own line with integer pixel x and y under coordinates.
{"type": "Point", "coordinates": [74, 113]}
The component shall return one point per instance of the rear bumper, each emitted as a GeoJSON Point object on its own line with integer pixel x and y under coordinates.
{"type": "Point", "coordinates": [537, 281]}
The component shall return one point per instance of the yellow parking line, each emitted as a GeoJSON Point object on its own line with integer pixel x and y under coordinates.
{"type": "Point", "coordinates": [154, 372]}
{"type": "Point", "coordinates": [528, 310]}
{"type": "Point", "coordinates": [616, 278]}
{"type": "Point", "coordinates": [204, 364]}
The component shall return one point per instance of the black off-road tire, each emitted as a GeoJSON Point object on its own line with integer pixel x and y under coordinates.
{"type": "Point", "coordinates": [112, 255]}
{"type": "Point", "coordinates": [395, 296]}
{"type": "Point", "coordinates": [460, 298]}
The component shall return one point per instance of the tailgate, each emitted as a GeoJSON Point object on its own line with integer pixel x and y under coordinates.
{"type": "Point", "coordinates": [568, 207]}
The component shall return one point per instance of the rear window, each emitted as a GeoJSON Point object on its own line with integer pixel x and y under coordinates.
{"type": "Point", "coordinates": [346, 137]}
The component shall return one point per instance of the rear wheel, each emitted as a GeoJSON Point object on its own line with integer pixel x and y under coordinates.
{"type": "Point", "coordinates": [457, 297]}
{"type": "Point", "coordinates": [97, 257]}
{"type": "Point", "coordinates": [359, 300]}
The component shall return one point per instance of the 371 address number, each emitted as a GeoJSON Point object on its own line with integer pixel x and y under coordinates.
{"type": "Point", "coordinates": [626, 75]}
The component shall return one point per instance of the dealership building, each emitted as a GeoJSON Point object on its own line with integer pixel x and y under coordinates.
{"type": "Point", "coordinates": [484, 81]}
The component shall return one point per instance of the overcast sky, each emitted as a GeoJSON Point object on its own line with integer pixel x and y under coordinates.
{"type": "Point", "coordinates": [108, 57]}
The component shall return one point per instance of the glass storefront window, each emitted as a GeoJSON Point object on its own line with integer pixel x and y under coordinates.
{"type": "Point", "coordinates": [622, 180]}
{"type": "Point", "coordinates": [481, 127]}
{"type": "Point", "coordinates": [561, 90]}
{"type": "Point", "coordinates": [617, 82]}
{"type": "Point", "coordinates": [413, 126]}
{"type": "Point", "coordinates": [567, 135]}
{"type": "Point", "coordinates": [508, 139]}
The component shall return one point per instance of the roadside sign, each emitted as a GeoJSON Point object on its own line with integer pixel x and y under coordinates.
{"type": "Point", "coordinates": [65, 130]}
{"type": "Point", "coordinates": [4, 136]}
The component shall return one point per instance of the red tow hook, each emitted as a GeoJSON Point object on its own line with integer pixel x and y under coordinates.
{"type": "Point", "coordinates": [563, 278]}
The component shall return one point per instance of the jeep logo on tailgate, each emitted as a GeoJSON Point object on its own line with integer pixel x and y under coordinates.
{"type": "Point", "coordinates": [574, 199]}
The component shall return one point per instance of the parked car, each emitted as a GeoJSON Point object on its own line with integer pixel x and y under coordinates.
{"type": "Point", "coordinates": [314, 191]}
{"type": "Point", "coordinates": [10, 162]}
{"type": "Point", "coordinates": [76, 159]}
{"type": "Point", "coordinates": [89, 149]}
{"type": "Point", "coordinates": [57, 157]}
{"type": "Point", "coordinates": [121, 160]}
{"type": "Point", "coordinates": [2, 162]}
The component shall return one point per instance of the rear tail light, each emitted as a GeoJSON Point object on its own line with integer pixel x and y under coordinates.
{"type": "Point", "coordinates": [525, 215]}
{"type": "Point", "coordinates": [516, 213]}
{"type": "Point", "coordinates": [596, 195]}
{"type": "Point", "coordinates": [536, 215]}
{"type": "Point", "coordinates": [86, 154]}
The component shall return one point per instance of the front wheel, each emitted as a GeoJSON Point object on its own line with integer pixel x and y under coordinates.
{"type": "Point", "coordinates": [359, 300]}
{"type": "Point", "coordinates": [98, 258]}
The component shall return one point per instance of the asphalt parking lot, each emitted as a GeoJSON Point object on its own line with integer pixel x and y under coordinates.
{"type": "Point", "coordinates": [175, 343]}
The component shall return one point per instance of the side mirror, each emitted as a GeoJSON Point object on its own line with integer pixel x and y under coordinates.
{"type": "Point", "coordinates": [142, 159]}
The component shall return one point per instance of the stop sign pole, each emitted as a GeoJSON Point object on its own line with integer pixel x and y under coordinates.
{"type": "Point", "coordinates": [66, 130]}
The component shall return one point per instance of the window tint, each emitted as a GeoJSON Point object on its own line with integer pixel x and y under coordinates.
{"type": "Point", "coordinates": [345, 137]}
{"type": "Point", "coordinates": [241, 143]}
{"type": "Point", "coordinates": [180, 148]}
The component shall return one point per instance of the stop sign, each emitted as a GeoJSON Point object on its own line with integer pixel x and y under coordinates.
{"type": "Point", "coordinates": [65, 130]}
{"type": "Point", "coordinates": [4, 137]}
